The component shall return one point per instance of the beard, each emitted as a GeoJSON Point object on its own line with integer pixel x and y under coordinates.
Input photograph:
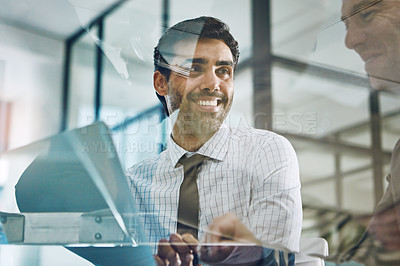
{"type": "Point", "coordinates": [193, 122]}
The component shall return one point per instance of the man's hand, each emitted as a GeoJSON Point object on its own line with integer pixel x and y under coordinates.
{"type": "Point", "coordinates": [385, 227]}
{"type": "Point", "coordinates": [179, 250]}
{"type": "Point", "coordinates": [228, 230]}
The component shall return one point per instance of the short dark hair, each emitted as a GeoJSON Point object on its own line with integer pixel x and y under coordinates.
{"type": "Point", "coordinates": [200, 28]}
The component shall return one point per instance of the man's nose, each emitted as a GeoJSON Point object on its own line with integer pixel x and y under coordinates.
{"type": "Point", "coordinates": [355, 36]}
{"type": "Point", "coordinates": [212, 82]}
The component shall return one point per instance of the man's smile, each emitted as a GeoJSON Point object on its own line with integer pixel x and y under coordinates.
{"type": "Point", "coordinates": [207, 103]}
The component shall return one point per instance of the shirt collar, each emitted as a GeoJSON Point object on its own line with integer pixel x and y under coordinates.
{"type": "Point", "coordinates": [215, 148]}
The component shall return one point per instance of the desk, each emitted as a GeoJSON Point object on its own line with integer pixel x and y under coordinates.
{"type": "Point", "coordinates": [32, 255]}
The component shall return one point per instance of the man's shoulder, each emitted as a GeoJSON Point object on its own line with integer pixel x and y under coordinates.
{"type": "Point", "coordinates": [147, 164]}
{"type": "Point", "coordinates": [256, 136]}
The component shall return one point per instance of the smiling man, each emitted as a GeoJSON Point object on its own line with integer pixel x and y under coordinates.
{"type": "Point", "coordinates": [203, 96]}
{"type": "Point", "coordinates": [373, 31]}
{"type": "Point", "coordinates": [250, 174]}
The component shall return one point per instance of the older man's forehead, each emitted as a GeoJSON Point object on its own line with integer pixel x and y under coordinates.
{"type": "Point", "coordinates": [353, 7]}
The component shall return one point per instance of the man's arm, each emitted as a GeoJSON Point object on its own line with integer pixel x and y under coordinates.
{"type": "Point", "coordinates": [385, 224]}
{"type": "Point", "coordinates": [227, 231]}
{"type": "Point", "coordinates": [235, 244]}
{"type": "Point", "coordinates": [275, 211]}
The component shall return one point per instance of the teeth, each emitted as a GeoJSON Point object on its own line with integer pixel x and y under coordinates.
{"type": "Point", "coordinates": [208, 103]}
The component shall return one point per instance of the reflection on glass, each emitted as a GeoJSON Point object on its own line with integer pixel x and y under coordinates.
{"type": "Point", "coordinates": [358, 133]}
{"type": "Point", "coordinates": [70, 189]}
{"type": "Point", "coordinates": [82, 88]}
{"type": "Point", "coordinates": [327, 64]}
{"type": "Point", "coordinates": [209, 169]}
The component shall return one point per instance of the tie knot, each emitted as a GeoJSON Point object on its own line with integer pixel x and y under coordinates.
{"type": "Point", "coordinates": [192, 161]}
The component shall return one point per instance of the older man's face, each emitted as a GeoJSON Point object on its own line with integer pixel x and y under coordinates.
{"type": "Point", "coordinates": [373, 31]}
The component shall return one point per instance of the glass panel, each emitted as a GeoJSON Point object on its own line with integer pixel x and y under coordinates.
{"type": "Point", "coordinates": [30, 80]}
{"type": "Point", "coordinates": [321, 98]}
{"type": "Point", "coordinates": [130, 35]}
{"type": "Point", "coordinates": [240, 28]}
{"type": "Point", "coordinates": [45, 174]}
{"type": "Point", "coordinates": [241, 114]}
{"type": "Point", "coordinates": [129, 104]}
{"type": "Point", "coordinates": [358, 192]}
{"type": "Point", "coordinates": [140, 137]}
{"type": "Point", "coordinates": [320, 193]}
{"type": "Point", "coordinates": [82, 82]}
{"type": "Point", "coordinates": [135, 120]}
{"type": "Point", "coordinates": [313, 105]}
{"type": "Point", "coordinates": [390, 113]}
{"type": "Point", "coordinates": [312, 32]}
{"type": "Point", "coordinates": [319, 68]}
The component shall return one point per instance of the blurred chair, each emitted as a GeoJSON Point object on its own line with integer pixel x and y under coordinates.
{"type": "Point", "coordinates": [312, 252]}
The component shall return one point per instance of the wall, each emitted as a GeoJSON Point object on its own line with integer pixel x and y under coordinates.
{"type": "Point", "coordinates": [31, 82]}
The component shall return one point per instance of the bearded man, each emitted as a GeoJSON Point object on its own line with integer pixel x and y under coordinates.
{"type": "Point", "coordinates": [250, 174]}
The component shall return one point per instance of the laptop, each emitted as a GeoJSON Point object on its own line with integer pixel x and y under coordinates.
{"type": "Point", "coordinates": [79, 173]}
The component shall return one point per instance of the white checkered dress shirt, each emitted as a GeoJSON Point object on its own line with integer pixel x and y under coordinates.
{"type": "Point", "coordinates": [251, 173]}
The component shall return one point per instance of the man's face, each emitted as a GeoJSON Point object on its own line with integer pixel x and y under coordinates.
{"type": "Point", "coordinates": [373, 31]}
{"type": "Point", "coordinates": [204, 97]}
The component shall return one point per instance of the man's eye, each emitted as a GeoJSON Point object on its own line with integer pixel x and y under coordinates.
{"type": "Point", "coordinates": [195, 68]}
{"type": "Point", "coordinates": [367, 14]}
{"type": "Point", "coordinates": [224, 71]}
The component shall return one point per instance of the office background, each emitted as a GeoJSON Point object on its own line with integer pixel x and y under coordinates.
{"type": "Point", "coordinates": [65, 64]}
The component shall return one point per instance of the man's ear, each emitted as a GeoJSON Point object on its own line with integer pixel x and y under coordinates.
{"type": "Point", "coordinates": [160, 83]}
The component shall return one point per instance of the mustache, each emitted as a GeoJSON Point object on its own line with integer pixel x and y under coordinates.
{"type": "Point", "coordinates": [196, 95]}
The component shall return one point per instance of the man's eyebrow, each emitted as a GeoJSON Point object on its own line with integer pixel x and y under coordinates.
{"type": "Point", "coordinates": [224, 63]}
{"type": "Point", "coordinates": [189, 61]}
{"type": "Point", "coordinates": [360, 7]}
{"type": "Point", "coordinates": [204, 61]}
{"type": "Point", "coordinates": [201, 61]}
